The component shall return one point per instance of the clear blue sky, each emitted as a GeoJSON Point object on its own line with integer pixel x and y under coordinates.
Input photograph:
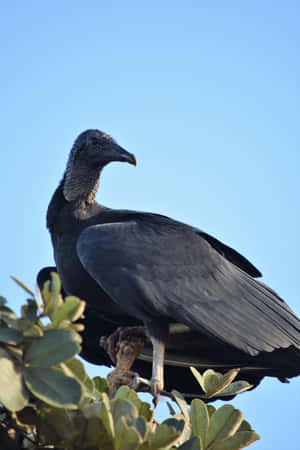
{"type": "Point", "coordinates": [206, 94]}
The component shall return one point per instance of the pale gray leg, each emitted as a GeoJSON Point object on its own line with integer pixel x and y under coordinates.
{"type": "Point", "coordinates": [157, 380]}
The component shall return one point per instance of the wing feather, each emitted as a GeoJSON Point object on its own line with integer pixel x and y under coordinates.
{"type": "Point", "coordinates": [156, 268]}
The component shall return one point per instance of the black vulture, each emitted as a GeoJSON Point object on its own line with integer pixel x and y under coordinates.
{"type": "Point", "coordinates": [198, 298]}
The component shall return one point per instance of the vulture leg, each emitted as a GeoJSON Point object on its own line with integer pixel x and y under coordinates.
{"type": "Point", "coordinates": [157, 380]}
{"type": "Point", "coordinates": [123, 347]}
{"type": "Point", "coordinates": [133, 338]}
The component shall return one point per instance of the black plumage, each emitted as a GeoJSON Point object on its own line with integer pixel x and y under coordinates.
{"type": "Point", "coordinates": [194, 294]}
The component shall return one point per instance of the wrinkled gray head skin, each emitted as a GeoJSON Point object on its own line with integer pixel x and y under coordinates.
{"type": "Point", "coordinates": [96, 147]}
{"type": "Point", "coordinates": [91, 151]}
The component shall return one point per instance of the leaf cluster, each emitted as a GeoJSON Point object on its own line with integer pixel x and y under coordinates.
{"type": "Point", "coordinates": [47, 400]}
{"type": "Point", "coordinates": [208, 428]}
{"type": "Point", "coordinates": [35, 357]}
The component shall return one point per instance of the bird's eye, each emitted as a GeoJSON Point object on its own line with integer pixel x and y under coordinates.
{"type": "Point", "coordinates": [94, 140]}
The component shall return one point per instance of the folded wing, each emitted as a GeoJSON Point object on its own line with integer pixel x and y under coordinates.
{"type": "Point", "coordinates": [156, 268]}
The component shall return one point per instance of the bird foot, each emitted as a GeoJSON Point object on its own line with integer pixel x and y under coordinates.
{"type": "Point", "coordinates": [124, 343]}
{"type": "Point", "coordinates": [123, 347]}
{"type": "Point", "coordinates": [140, 384]}
{"type": "Point", "coordinates": [156, 389]}
{"type": "Point", "coordinates": [153, 386]}
{"type": "Point", "coordinates": [118, 378]}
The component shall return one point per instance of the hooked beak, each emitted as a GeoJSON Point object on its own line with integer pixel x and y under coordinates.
{"type": "Point", "coordinates": [120, 154]}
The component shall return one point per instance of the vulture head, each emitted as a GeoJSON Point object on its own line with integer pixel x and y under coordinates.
{"type": "Point", "coordinates": [98, 149]}
{"type": "Point", "coordinates": [91, 151]}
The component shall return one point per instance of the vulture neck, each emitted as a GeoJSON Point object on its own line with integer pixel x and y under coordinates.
{"type": "Point", "coordinates": [81, 182]}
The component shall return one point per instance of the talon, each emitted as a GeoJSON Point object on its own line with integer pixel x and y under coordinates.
{"type": "Point", "coordinates": [156, 386]}
{"type": "Point", "coordinates": [156, 389]}
{"type": "Point", "coordinates": [140, 384]}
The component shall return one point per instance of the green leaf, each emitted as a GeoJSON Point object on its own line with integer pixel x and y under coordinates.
{"type": "Point", "coordinates": [177, 424]}
{"type": "Point", "coordinates": [29, 311]}
{"type": "Point", "coordinates": [78, 371]}
{"type": "Point", "coordinates": [131, 439]}
{"type": "Point", "coordinates": [200, 420]}
{"type": "Point", "coordinates": [8, 316]}
{"type": "Point", "coordinates": [122, 392]}
{"type": "Point", "coordinates": [182, 404]}
{"type": "Point", "coordinates": [24, 325]}
{"type": "Point", "coordinates": [145, 411]}
{"type": "Point", "coordinates": [53, 348]}
{"type": "Point", "coordinates": [229, 376]}
{"type": "Point", "coordinates": [236, 388]}
{"type": "Point", "coordinates": [143, 408]}
{"type": "Point", "coordinates": [211, 410]}
{"type": "Point", "coordinates": [101, 384]}
{"type": "Point", "coordinates": [51, 295]}
{"type": "Point", "coordinates": [123, 408]}
{"type": "Point", "coordinates": [125, 393]}
{"type": "Point", "coordinates": [171, 409]}
{"type": "Point", "coordinates": [74, 368]}
{"type": "Point", "coordinates": [48, 298]}
{"type": "Point", "coordinates": [94, 437]}
{"type": "Point", "coordinates": [140, 425]}
{"type": "Point", "coordinates": [53, 387]}
{"type": "Point", "coordinates": [106, 416]}
{"type": "Point", "coordinates": [187, 430]}
{"type": "Point", "coordinates": [212, 382]}
{"type": "Point", "coordinates": [13, 393]}
{"type": "Point", "coordinates": [10, 336]}
{"type": "Point", "coordinates": [55, 287]}
{"type": "Point", "coordinates": [72, 309]}
{"type": "Point", "coordinates": [78, 327]}
{"type": "Point", "coordinates": [191, 444]}
{"type": "Point", "coordinates": [223, 424]}
{"type": "Point", "coordinates": [163, 436]}
{"type": "Point", "coordinates": [63, 324]}
{"type": "Point", "coordinates": [127, 437]}
{"type": "Point", "coordinates": [16, 353]}
{"type": "Point", "coordinates": [92, 409]}
{"type": "Point", "coordinates": [23, 286]}
{"type": "Point", "coordinates": [239, 440]}
{"type": "Point", "coordinates": [34, 331]}
{"type": "Point", "coordinates": [92, 413]}
{"type": "Point", "coordinates": [198, 377]}
{"type": "Point", "coordinates": [81, 438]}
{"type": "Point", "coordinates": [55, 425]}
{"type": "Point", "coordinates": [245, 426]}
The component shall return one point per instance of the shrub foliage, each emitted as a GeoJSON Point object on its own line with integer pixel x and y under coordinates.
{"type": "Point", "coordinates": [47, 400]}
